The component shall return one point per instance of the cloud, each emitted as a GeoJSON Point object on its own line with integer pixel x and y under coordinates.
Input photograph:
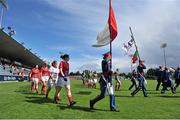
{"type": "Point", "coordinates": [62, 48]}
{"type": "Point", "coordinates": [153, 21]}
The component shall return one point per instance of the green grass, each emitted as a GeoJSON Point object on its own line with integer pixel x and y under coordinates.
{"type": "Point", "coordinates": [16, 101]}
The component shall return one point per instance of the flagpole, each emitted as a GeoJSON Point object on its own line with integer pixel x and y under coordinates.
{"type": "Point", "coordinates": [110, 38]}
{"type": "Point", "coordinates": [1, 19]}
{"type": "Point", "coordinates": [110, 41]}
{"type": "Point", "coordinates": [132, 36]}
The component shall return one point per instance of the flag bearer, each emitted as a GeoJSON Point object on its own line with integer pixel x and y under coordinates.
{"type": "Point", "coordinates": [105, 84]}
{"type": "Point", "coordinates": [140, 72]}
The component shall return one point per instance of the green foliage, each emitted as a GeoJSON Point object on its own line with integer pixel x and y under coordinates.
{"type": "Point", "coordinates": [151, 73]}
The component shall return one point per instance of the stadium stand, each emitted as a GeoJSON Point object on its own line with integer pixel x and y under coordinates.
{"type": "Point", "coordinates": [15, 59]}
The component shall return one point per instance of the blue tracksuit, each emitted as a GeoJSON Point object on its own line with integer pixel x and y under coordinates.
{"type": "Point", "coordinates": [106, 71]}
{"type": "Point", "coordinates": [167, 82]}
{"type": "Point", "coordinates": [133, 80]}
{"type": "Point", "coordinates": [177, 78]}
{"type": "Point", "coordinates": [140, 70]}
{"type": "Point", "coordinates": [159, 78]}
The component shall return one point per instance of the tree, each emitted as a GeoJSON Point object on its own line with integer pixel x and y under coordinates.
{"type": "Point", "coordinates": [151, 73]}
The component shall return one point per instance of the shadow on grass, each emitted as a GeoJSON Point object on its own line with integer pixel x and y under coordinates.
{"type": "Point", "coordinates": [153, 92]}
{"type": "Point", "coordinates": [64, 107]}
{"type": "Point", "coordinates": [128, 96]}
{"type": "Point", "coordinates": [79, 86]}
{"type": "Point", "coordinates": [80, 108]}
{"type": "Point", "coordinates": [84, 93]}
{"type": "Point", "coordinates": [123, 90]}
{"type": "Point", "coordinates": [38, 100]}
{"type": "Point", "coordinates": [164, 96]}
{"type": "Point", "coordinates": [26, 92]}
{"type": "Point", "coordinates": [177, 91]}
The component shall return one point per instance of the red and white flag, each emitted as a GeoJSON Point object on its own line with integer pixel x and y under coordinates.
{"type": "Point", "coordinates": [110, 31]}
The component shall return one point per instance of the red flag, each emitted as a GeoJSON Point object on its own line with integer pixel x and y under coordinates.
{"type": "Point", "coordinates": [110, 31]}
{"type": "Point", "coordinates": [112, 23]}
{"type": "Point", "coordinates": [135, 57]}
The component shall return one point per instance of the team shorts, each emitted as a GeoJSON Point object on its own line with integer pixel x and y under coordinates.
{"type": "Point", "coordinates": [91, 80]}
{"type": "Point", "coordinates": [95, 80]}
{"type": "Point", "coordinates": [61, 82]}
{"type": "Point", "coordinates": [45, 78]}
{"type": "Point", "coordinates": [34, 80]}
{"type": "Point", "coordinates": [51, 83]}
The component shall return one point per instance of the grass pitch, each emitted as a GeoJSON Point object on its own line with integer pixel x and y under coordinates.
{"type": "Point", "coordinates": [16, 101]}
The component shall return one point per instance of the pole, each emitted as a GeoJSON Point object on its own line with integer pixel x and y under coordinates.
{"type": "Point", "coordinates": [131, 66]}
{"type": "Point", "coordinates": [110, 39]}
{"type": "Point", "coordinates": [111, 54]}
{"type": "Point", "coordinates": [132, 36]}
{"type": "Point", "coordinates": [2, 13]}
{"type": "Point", "coordinates": [164, 56]}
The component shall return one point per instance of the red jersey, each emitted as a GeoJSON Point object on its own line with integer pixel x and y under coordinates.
{"type": "Point", "coordinates": [65, 68]}
{"type": "Point", "coordinates": [45, 71]}
{"type": "Point", "coordinates": [35, 73]}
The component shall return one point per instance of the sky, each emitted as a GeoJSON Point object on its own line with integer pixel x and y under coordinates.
{"type": "Point", "coordinates": [71, 26]}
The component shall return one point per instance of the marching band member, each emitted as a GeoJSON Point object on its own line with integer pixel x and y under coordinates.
{"type": "Point", "coordinates": [141, 78]}
{"type": "Point", "coordinates": [105, 84]}
{"type": "Point", "coordinates": [64, 80]}
{"type": "Point", "coordinates": [167, 80]}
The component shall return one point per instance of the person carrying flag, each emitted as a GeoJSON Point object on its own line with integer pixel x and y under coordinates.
{"type": "Point", "coordinates": [105, 83]}
{"type": "Point", "coordinates": [141, 78]}
{"type": "Point", "coordinates": [64, 80]}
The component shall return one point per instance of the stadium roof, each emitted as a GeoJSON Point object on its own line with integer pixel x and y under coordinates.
{"type": "Point", "coordinates": [14, 51]}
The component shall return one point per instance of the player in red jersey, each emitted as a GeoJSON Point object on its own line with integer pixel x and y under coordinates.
{"type": "Point", "coordinates": [45, 75]}
{"type": "Point", "coordinates": [34, 77]}
{"type": "Point", "coordinates": [64, 80]}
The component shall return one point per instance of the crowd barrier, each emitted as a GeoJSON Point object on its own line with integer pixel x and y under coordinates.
{"type": "Point", "coordinates": [12, 78]}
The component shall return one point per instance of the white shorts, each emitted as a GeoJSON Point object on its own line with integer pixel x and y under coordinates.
{"type": "Point", "coordinates": [91, 81]}
{"type": "Point", "coordinates": [60, 82]}
{"type": "Point", "coordinates": [45, 78]}
{"type": "Point", "coordinates": [95, 80]}
{"type": "Point", "coordinates": [34, 80]}
{"type": "Point", "coordinates": [51, 83]}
